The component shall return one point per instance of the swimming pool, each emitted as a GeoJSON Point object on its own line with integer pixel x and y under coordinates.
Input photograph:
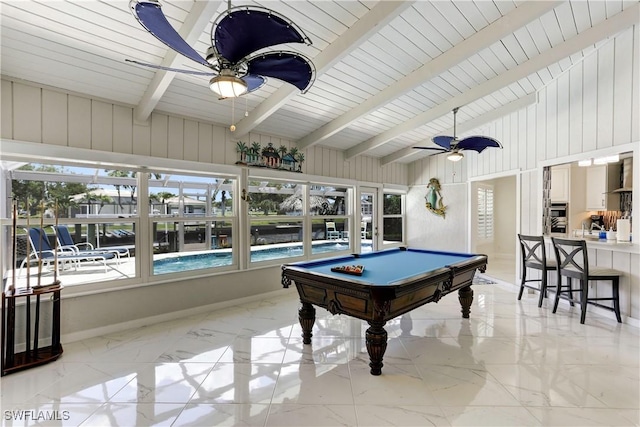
{"type": "Point", "coordinates": [199, 261]}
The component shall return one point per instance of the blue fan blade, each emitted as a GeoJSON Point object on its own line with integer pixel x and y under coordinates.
{"type": "Point", "coordinates": [150, 16]}
{"type": "Point", "coordinates": [254, 82]}
{"type": "Point", "coordinates": [444, 141]}
{"type": "Point", "coordinates": [177, 70]}
{"type": "Point", "coordinates": [245, 30]}
{"type": "Point", "coordinates": [442, 150]}
{"type": "Point", "coordinates": [286, 66]}
{"type": "Point", "coordinates": [477, 143]}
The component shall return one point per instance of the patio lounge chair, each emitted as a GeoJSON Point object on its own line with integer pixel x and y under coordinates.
{"type": "Point", "coordinates": [122, 233]}
{"type": "Point", "coordinates": [66, 243]}
{"type": "Point", "coordinates": [41, 251]}
{"type": "Point", "coordinates": [331, 232]}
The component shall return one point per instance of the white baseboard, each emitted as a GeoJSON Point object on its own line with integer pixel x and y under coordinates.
{"type": "Point", "coordinates": [505, 256]}
{"type": "Point", "coordinates": [147, 321]}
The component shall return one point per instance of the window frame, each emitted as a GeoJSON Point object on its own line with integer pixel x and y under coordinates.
{"type": "Point", "coordinates": [401, 215]}
{"type": "Point", "coordinates": [15, 152]}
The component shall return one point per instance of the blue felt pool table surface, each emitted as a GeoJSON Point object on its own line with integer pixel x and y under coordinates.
{"type": "Point", "coordinates": [388, 266]}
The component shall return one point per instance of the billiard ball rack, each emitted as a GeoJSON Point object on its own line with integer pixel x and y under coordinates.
{"type": "Point", "coordinates": [355, 270]}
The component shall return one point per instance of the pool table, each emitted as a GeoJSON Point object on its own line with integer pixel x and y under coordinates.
{"type": "Point", "coordinates": [393, 282]}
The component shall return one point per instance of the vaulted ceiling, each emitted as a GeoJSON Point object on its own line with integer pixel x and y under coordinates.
{"type": "Point", "coordinates": [388, 72]}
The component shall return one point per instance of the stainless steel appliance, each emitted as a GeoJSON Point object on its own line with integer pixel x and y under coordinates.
{"type": "Point", "coordinates": [559, 219]}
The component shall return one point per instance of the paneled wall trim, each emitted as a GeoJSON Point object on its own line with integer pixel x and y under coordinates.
{"type": "Point", "coordinates": [48, 116]}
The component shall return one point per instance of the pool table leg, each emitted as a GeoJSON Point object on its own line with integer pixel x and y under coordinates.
{"type": "Point", "coordinates": [376, 339]}
{"type": "Point", "coordinates": [465, 296]}
{"type": "Point", "coordinates": [307, 317]}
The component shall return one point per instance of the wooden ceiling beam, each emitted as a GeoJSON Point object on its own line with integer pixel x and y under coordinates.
{"type": "Point", "coordinates": [379, 16]}
{"type": "Point", "coordinates": [195, 23]}
{"type": "Point", "coordinates": [587, 38]}
{"type": "Point", "coordinates": [469, 125]}
{"type": "Point", "coordinates": [484, 38]}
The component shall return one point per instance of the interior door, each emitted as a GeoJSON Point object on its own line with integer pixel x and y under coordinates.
{"type": "Point", "coordinates": [369, 219]}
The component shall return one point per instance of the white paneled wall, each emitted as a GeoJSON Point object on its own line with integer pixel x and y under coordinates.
{"type": "Point", "coordinates": [42, 115]}
{"type": "Point", "coordinates": [50, 117]}
{"type": "Point", "coordinates": [592, 106]}
{"type": "Point", "coordinates": [430, 231]}
{"type": "Point", "coordinates": [529, 219]}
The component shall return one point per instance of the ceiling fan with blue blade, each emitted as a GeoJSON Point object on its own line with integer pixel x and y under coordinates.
{"type": "Point", "coordinates": [454, 146]}
{"type": "Point", "coordinates": [237, 59]}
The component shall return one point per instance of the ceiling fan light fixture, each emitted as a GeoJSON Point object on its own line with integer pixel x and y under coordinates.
{"type": "Point", "coordinates": [455, 156]}
{"type": "Point", "coordinates": [228, 86]}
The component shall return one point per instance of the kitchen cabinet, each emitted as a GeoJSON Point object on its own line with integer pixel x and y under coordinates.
{"type": "Point", "coordinates": [601, 180]}
{"type": "Point", "coordinates": [560, 183]}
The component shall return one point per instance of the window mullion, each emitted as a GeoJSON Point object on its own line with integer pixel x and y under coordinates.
{"type": "Point", "coordinates": [143, 223]}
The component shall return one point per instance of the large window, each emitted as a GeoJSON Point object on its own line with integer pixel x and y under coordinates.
{"type": "Point", "coordinates": [393, 216]}
{"type": "Point", "coordinates": [331, 229]}
{"type": "Point", "coordinates": [193, 222]}
{"type": "Point", "coordinates": [277, 219]}
{"type": "Point", "coordinates": [135, 225]}
{"type": "Point", "coordinates": [89, 216]}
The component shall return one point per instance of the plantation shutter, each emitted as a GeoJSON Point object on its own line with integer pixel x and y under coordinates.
{"type": "Point", "coordinates": [485, 213]}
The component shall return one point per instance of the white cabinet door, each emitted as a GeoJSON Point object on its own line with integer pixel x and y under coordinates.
{"type": "Point", "coordinates": [596, 188]}
{"type": "Point", "coordinates": [560, 176]}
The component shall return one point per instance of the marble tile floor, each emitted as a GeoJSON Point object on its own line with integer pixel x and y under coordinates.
{"type": "Point", "coordinates": [510, 364]}
{"type": "Point", "coordinates": [503, 268]}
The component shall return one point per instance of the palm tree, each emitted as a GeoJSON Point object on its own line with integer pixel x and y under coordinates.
{"type": "Point", "coordinates": [103, 199]}
{"type": "Point", "coordinates": [300, 160]}
{"type": "Point", "coordinates": [90, 198]}
{"type": "Point", "coordinates": [267, 206]}
{"type": "Point", "coordinates": [223, 201]}
{"type": "Point", "coordinates": [163, 196]}
{"type": "Point", "coordinates": [255, 150]}
{"type": "Point", "coordinates": [283, 151]}
{"type": "Point", "coordinates": [153, 199]}
{"type": "Point", "coordinates": [294, 155]}
{"type": "Point", "coordinates": [242, 148]}
{"type": "Point", "coordinates": [118, 174]}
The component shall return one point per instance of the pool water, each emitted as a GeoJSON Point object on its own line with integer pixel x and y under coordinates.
{"type": "Point", "coordinates": [221, 259]}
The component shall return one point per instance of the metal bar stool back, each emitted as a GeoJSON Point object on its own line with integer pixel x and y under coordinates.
{"type": "Point", "coordinates": [534, 256]}
{"type": "Point", "coordinates": [573, 263]}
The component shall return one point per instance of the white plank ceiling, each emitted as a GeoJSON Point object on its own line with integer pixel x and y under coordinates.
{"type": "Point", "coordinates": [388, 73]}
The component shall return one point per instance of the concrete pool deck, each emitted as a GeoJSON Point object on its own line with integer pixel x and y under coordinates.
{"type": "Point", "coordinates": [91, 272]}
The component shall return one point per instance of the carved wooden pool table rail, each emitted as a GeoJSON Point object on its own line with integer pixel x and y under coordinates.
{"type": "Point", "coordinates": [378, 303]}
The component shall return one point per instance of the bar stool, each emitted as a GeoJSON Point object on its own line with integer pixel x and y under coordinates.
{"type": "Point", "coordinates": [534, 257]}
{"type": "Point", "coordinates": [573, 263]}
